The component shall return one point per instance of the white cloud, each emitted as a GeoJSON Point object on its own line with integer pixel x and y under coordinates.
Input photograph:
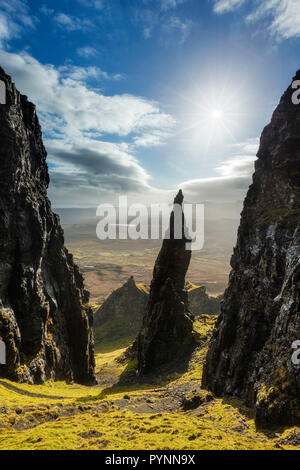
{"type": "Point", "coordinates": [63, 97]}
{"type": "Point", "coordinates": [75, 117]}
{"type": "Point", "coordinates": [219, 189]}
{"type": "Point", "coordinates": [281, 17]}
{"type": "Point", "coordinates": [224, 6]}
{"type": "Point", "coordinates": [152, 139]}
{"type": "Point", "coordinates": [237, 167]}
{"type": "Point", "coordinates": [83, 74]}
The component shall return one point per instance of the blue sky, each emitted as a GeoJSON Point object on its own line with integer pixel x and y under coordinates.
{"type": "Point", "coordinates": [141, 97]}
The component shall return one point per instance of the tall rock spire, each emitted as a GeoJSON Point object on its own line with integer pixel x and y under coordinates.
{"type": "Point", "coordinates": [167, 329]}
{"type": "Point", "coordinates": [45, 321]}
{"type": "Point", "coordinates": [250, 354]}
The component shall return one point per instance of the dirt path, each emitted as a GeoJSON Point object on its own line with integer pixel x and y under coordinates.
{"type": "Point", "coordinates": [30, 394]}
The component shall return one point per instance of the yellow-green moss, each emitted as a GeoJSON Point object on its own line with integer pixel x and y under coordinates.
{"type": "Point", "coordinates": [221, 424]}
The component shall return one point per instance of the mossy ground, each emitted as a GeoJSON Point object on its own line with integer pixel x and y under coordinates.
{"type": "Point", "coordinates": [71, 416]}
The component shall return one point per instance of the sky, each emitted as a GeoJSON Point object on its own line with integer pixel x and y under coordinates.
{"type": "Point", "coordinates": [141, 97]}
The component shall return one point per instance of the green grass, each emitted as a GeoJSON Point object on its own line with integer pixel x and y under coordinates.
{"type": "Point", "coordinates": [222, 424]}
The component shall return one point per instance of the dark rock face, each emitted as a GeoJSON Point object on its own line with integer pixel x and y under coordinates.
{"type": "Point", "coordinates": [45, 320]}
{"type": "Point", "coordinates": [122, 312]}
{"type": "Point", "coordinates": [251, 348]}
{"type": "Point", "coordinates": [200, 302]}
{"type": "Point", "coordinates": [167, 326]}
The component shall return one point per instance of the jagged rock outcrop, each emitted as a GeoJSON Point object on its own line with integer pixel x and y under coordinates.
{"type": "Point", "coordinates": [167, 329]}
{"type": "Point", "coordinates": [251, 348]}
{"type": "Point", "coordinates": [202, 303]}
{"type": "Point", "coordinates": [45, 320]}
{"type": "Point", "coordinates": [121, 315]}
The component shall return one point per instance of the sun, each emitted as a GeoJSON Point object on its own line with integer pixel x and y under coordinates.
{"type": "Point", "coordinates": [212, 116]}
{"type": "Point", "coordinates": [217, 114]}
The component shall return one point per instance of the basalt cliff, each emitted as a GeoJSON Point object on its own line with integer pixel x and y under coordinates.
{"type": "Point", "coordinates": [167, 329]}
{"type": "Point", "coordinates": [251, 353]}
{"type": "Point", "coordinates": [45, 321]}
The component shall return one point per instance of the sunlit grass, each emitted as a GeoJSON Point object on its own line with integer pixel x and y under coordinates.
{"type": "Point", "coordinates": [100, 424]}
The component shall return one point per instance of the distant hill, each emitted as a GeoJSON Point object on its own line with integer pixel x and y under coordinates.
{"type": "Point", "coordinates": [119, 318]}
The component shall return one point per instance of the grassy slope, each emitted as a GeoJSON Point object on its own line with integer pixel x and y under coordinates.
{"type": "Point", "coordinates": [90, 417]}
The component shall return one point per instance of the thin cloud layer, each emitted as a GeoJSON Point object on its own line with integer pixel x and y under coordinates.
{"type": "Point", "coordinates": [183, 27]}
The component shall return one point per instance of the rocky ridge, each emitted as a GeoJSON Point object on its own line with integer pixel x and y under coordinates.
{"type": "Point", "coordinates": [250, 354]}
{"type": "Point", "coordinates": [45, 320]}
